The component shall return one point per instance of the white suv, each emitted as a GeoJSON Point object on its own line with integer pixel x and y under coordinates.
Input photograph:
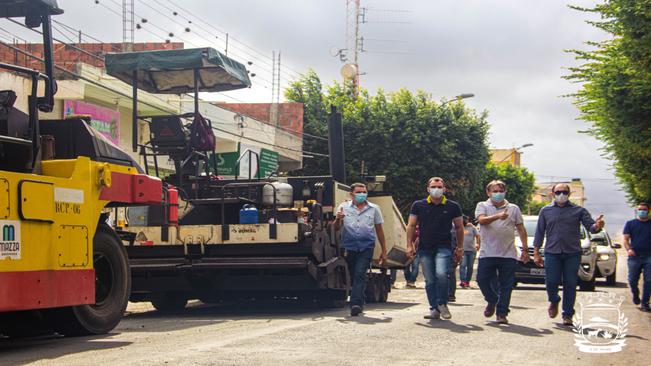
{"type": "Point", "coordinates": [606, 257]}
{"type": "Point", "coordinates": [530, 273]}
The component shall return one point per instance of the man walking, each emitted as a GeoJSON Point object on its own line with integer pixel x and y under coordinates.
{"type": "Point", "coordinates": [435, 216]}
{"type": "Point", "coordinates": [471, 244]}
{"type": "Point", "coordinates": [560, 222]}
{"type": "Point", "coordinates": [637, 241]}
{"type": "Point", "coordinates": [361, 221]}
{"type": "Point", "coordinates": [498, 220]}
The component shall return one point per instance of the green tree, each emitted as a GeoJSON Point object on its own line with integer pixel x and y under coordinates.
{"type": "Point", "coordinates": [406, 136]}
{"type": "Point", "coordinates": [520, 183]}
{"type": "Point", "coordinates": [615, 93]}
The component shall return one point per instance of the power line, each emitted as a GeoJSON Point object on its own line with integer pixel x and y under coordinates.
{"type": "Point", "coordinates": [149, 104]}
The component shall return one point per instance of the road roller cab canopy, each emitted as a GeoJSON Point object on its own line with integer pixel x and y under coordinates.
{"type": "Point", "coordinates": [176, 71]}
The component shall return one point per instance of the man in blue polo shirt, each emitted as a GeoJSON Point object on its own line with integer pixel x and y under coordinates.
{"type": "Point", "coordinates": [637, 241]}
{"type": "Point", "coordinates": [435, 216]}
{"type": "Point", "coordinates": [361, 222]}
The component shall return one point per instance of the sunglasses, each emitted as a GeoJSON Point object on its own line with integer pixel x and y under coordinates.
{"type": "Point", "coordinates": [562, 192]}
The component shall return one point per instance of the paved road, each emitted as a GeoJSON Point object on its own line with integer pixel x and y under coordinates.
{"type": "Point", "coordinates": [286, 334]}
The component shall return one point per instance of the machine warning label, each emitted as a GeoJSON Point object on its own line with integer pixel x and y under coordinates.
{"type": "Point", "coordinates": [10, 243]}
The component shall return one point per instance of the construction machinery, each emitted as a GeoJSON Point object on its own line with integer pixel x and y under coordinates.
{"type": "Point", "coordinates": [62, 268]}
{"type": "Point", "coordinates": [218, 239]}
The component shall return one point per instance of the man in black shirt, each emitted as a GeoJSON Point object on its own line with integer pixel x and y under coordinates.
{"type": "Point", "coordinates": [435, 216]}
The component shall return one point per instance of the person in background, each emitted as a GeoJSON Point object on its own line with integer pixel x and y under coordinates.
{"type": "Point", "coordinates": [411, 270]}
{"type": "Point", "coordinates": [637, 241]}
{"type": "Point", "coordinates": [471, 244]}
{"type": "Point", "coordinates": [452, 275]}
{"type": "Point", "coordinates": [560, 222]}
{"type": "Point", "coordinates": [360, 221]}
{"type": "Point", "coordinates": [435, 216]}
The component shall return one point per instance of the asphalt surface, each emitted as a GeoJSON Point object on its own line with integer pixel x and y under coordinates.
{"type": "Point", "coordinates": [286, 333]}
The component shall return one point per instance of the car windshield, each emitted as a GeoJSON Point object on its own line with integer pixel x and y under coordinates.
{"type": "Point", "coordinates": [530, 226]}
{"type": "Point", "coordinates": [600, 238]}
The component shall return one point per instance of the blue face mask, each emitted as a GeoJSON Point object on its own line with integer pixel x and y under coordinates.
{"type": "Point", "coordinates": [498, 196]}
{"type": "Point", "coordinates": [360, 197]}
{"type": "Point", "coordinates": [643, 214]}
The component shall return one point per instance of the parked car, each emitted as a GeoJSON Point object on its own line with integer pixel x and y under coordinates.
{"type": "Point", "coordinates": [530, 273]}
{"type": "Point", "coordinates": [606, 257]}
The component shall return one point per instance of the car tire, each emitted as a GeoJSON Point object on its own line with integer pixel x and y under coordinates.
{"type": "Point", "coordinates": [612, 279]}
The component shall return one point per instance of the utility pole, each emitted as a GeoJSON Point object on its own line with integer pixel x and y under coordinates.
{"type": "Point", "coordinates": [354, 15]}
{"type": "Point", "coordinates": [128, 25]}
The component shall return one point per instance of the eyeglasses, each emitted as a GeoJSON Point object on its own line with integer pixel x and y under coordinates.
{"type": "Point", "coordinates": [562, 192]}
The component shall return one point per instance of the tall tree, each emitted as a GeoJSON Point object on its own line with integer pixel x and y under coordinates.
{"type": "Point", "coordinates": [615, 94]}
{"type": "Point", "coordinates": [406, 136]}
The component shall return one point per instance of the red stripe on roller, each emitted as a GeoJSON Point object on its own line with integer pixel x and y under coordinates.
{"type": "Point", "coordinates": [133, 188]}
{"type": "Point", "coordinates": [46, 289]}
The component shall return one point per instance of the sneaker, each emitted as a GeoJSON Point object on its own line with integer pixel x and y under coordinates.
{"type": "Point", "coordinates": [355, 310]}
{"type": "Point", "coordinates": [645, 307]}
{"type": "Point", "coordinates": [410, 285]}
{"type": "Point", "coordinates": [445, 313]}
{"type": "Point", "coordinates": [552, 310]}
{"type": "Point", "coordinates": [462, 284]}
{"type": "Point", "coordinates": [433, 314]}
{"type": "Point", "coordinates": [452, 298]}
{"type": "Point", "coordinates": [567, 321]}
{"type": "Point", "coordinates": [501, 319]}
{"type": "Point", "coordinates": [467, 284]}
{"type": "Point", "coordinates": [490, 310]}
{"type": "Point", "coordinates": [636, 299]}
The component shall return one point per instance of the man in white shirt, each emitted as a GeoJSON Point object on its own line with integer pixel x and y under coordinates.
{"type": "Point", "coordinates": [498, 220]}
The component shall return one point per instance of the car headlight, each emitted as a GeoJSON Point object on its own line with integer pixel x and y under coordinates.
{"type": "Point", "coordinates": [604, 257]}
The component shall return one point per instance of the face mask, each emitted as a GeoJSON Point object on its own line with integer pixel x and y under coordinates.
{"type": "Point", "coordinates": [436, 192]}
{"type": "Point", "coordinates": [561, 198]}
{"type": "Point", "coordinates": [498, 196]}
{"type": "Point", "coordinates": [360, 197]}
{"type": "Point", "coordinates": [643, 214]}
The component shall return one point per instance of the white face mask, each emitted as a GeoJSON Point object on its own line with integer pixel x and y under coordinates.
{"type": "Point", "coordinates": [436, 192]}
{"type": "Point", "coordinates": [561, 198]}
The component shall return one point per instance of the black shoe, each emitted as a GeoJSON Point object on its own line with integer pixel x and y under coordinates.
{"type": "Point", "coordinates": [636, 299]}
{"type": "Point", "coordinates": [567, 321]}
{"type": "Point", "coordinates": [452, 298]}
{"type": "Point", "coordinates": [645, 307]}
{"type": "Point", "coordinates": [490, 310]}
{"type": "Point", "coordinates": [355, 310]}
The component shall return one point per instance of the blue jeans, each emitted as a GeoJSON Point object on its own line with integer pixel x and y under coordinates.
{"type": "Point", "coordinates": [358, 265]}
{"type": "Point", "coordinates": [495, 277]}
{"type": "Point", "coordinates": [411, 271]}
{"type": "Point", "coordinates": [637, 265]}
{"type": "Point", "coordinates": [467, 262]}
{"type": "Point", "coordinates": [436, 265]}
{"type": "Point", "coordinates": [562, 268]}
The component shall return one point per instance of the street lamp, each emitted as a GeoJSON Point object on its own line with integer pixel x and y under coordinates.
{"type": "Point", "coordinates": [458, 98]}
{"type": "Point", "coordinates": [515, 149]}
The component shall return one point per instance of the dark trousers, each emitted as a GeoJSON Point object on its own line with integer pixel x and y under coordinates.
{"type": "Point", "coordinates": [562, 268]}
{"type": "Point", "coordinates": [358, 265]}
{"type": "Point", "coordinates": [500, 271]}
{"type": "Point", "coordinates": [411, 270]}
{"type": "Point", "coordinates": [636, 266]}
{"type": "Point", "coordinates": [452, 290]}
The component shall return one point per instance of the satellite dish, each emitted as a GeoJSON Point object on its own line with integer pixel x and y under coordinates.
{"type": "Point", "coordinates": [349, 71]}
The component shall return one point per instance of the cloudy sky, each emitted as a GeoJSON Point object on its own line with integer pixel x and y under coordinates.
{"type": "Point", "coordinates": [509, 53]}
